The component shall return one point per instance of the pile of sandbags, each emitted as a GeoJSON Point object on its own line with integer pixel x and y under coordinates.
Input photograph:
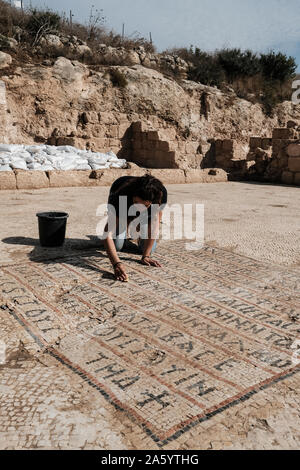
{"type": "Point", "coordinates": [49, 157]}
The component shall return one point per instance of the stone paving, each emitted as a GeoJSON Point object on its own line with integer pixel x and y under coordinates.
{"type": "Point", "coordinates": [197, 354]}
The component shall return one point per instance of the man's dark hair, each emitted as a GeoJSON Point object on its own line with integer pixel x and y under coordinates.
{"type": "Point", "coordinates": [148, 188]}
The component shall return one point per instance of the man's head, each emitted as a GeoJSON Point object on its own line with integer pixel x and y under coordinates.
{"type": "Point", "coordinates": [147, 190]}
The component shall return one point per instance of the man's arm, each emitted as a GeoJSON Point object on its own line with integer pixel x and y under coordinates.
{"type": "Point", "coordinates": [153, 230]}
{"type": "Point", "coordinates": [111, 251]}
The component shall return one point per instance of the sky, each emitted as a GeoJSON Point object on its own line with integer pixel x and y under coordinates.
{"type": "Point", "coordinates": [260, 25]}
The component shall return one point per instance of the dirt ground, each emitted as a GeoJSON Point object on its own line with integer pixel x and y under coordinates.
{"type": "Point", "coordinates": [195, 355]}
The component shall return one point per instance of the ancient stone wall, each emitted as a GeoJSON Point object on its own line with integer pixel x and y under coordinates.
{"type": "Point", "coordinates": [291, 173]}
{"type": "Point", "coordinates": [21, 179]}
{"type": "Point", "coordinates": [162, 148]}
{"type": "Point", "coordinates": [275, 159]}
{"type": "Point", "coordinates": [270, 159]}
{"type": "Point", "coordinates": [228, 152]}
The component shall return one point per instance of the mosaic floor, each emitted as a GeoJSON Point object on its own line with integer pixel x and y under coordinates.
{"type": "Point", "coordinates": [171, 348]}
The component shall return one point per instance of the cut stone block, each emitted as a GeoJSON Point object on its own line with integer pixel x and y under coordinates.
{"type": "Point", "coordinates": [153, 135]}
{"type": "Point", "coordinates": [293, 150]}
{"type": "Point", "coordinates": [279, 144]}
{"type": "Point", "coordinates": [287, 177]}
{"type": "Point", "coordinates": [139, 126]}
{"type": "Point", "coordinates": [8, 180]}
{"type": "Point", "coordinates": [61, 179]}
{"type": "Point", "coordinates": [294, 164]}
{"type": "Point", "coordinates": [137, 144]}
{"type": "Point", "coordinates": [167, 134]}
{"type": "Point", "coordinates": [107, 177]}
{"type": "Point", "coordinates": [282, 159]}
{"type": "Point", "coordinates": [209, 175]}
{"type": "Point", "coordinates": [91, 117]}
{"type": "Point", "coordinates": [284, 133]}
{"type": "Point", "coordinates": [297, 179]}
{"type": "Point", "coordinates": [169, 176]}
{"type": "Point", "coordinates": [66, 141]}
{"type": "Point", "coordinates": [31, 179]}
{"type": "Point", "coordinates": [255, 142]}
{"type": "Point", "coordinates": [228, 144]}
{"type": "Point", "coordinates": [163, 145]}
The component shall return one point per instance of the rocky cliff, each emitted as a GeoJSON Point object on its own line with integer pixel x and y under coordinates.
{"type": "Point", "coordinates": [176, 122]}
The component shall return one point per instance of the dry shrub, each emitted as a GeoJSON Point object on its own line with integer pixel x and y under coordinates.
{"type": "Point", "coordinates": [117, 78]}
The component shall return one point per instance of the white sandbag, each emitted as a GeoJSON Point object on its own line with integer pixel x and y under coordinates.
{"type": "Point", "coordinates": [83, 166]}
{"type": "Point", "coordinates": [66, 165]}
{"type": "Point", "coordinates": [72, 156]}
{"type": "Point", "coordinates": [18, 164]}
{"type": "Point", "coordinates": [34, 148]}
{"type": "Point", "coordinates": [83, 153]}
{"type": "Point", "coordinates": [34, 166]}
{"type": "Point", "coordinates": [22, 155]}
{"type": "Point", "coordinates": [81, 160]}
{"type": "Point", "coordinates": [18, 154]}
{"type": "Point", "coordinates": [50, 150]}
{"type": "Point", "coordinates": [10, 148]}
{"type": "Point", "coordinates": [97, 160]}
{"type": "Point", "coordinates": [67, 148]}
{"type": "Point", "coordinates": [99, 154]}
{"type": "Point", "coordinates": [40, 153]}
{"type": "Point", "coordinates": [5, 168]}
{"type": "Point", "coordinates": [56, 164]}
{"type": "Point", "coordinates": [94, 166]}
{"type": "Point", "coordinates": [4, 160]}
{"type": "Point", "coordinates": [40, 158]}
{"type": "Point", "coordinates": [5, 155]}
{"type": "Point", "coordinates": [46, 167]}
{"type": "Point", "coordinates": [119, 164]}
{"type": "Point", "coordinates": [29, 159]}
{"type": "Point", "coordinates": [111, 156]}
{"type": "Point", "coordinates": [56, 158]}
{"type": "Point", "coordinates": [50, 157]}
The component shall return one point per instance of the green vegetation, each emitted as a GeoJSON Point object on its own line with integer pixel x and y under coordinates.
{"type": "Point", "coordinates": [263, 78]}
{"type": "Point", "coordinates": [117, 78]}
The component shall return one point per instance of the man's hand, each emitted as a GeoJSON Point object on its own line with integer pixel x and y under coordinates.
{"type": "Point", "coordinates": [150, 262]}
{"type": "Point", "coordinates": [120, 273]}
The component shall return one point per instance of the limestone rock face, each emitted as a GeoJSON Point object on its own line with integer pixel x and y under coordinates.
{"type": "Point", "coordinates": [83, 49]}
{"type": "Point", "coordinates": [70, 102]}
{"type": "Point", "coordinates": [72, 43]}
{"type": "Point", "coordinates": [7, 42]}
{"type": "Point", "coordinates": [52, 40]}
{"type": "Point", "coordinates": [68, 71]}
{"type": "Point", "coordinates": [5, 60]}
{"type": "Point", "coordinates": [133, 58]}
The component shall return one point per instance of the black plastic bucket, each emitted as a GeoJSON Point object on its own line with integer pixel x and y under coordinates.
{"type": "Point", "coordinates": [52, 228]}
